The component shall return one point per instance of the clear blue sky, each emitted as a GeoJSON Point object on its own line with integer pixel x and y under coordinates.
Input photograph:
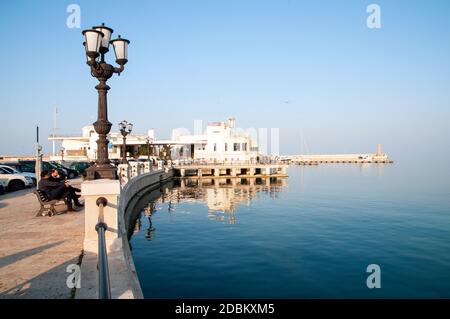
{"type": "Point", "coordinates": [348, 87]}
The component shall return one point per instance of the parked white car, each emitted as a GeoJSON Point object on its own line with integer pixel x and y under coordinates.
{"type": "Point", "coordinates": [13, 170]}
{"type": "Point", "coordinates": [3, 185]}
{"type": "Point", "coordinates": [14, 181]}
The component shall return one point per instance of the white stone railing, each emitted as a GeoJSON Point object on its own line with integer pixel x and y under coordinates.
{"type": "Point", "coordinates": [126, 172]}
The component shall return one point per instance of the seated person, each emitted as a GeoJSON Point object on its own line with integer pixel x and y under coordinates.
{"type": "Point", "coordinates": [54, 177]}
{"type": "Point", "coordinates": [58, 190]}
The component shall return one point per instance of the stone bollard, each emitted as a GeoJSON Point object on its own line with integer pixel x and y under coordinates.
{"type": "Point", "coordinates": [147, 167]}
{"type": "Point", "coordinates": [124, 174]}
{"type": "Point", "coordinates": [134, 168]}
{"type": "Point", "coordinates": [91, 191]}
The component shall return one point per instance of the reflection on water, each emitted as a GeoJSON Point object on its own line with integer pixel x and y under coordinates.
{"type": "Point", "coordinates": [309, 236]}
{"type": "Point", "coordinates": [221, 196]}
{"type": "Point", "coordinates": [148, 212]}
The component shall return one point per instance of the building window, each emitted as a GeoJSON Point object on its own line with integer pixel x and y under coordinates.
{"type": "Point", "coordinates": [244, 147]}
{"type": "Point", "coordinates": [226, 147]}
{"type": "Point", "coordinates": [237, 147]}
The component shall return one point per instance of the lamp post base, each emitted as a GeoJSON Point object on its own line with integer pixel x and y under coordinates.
{"type": "Point", "coordinates": [105, 172]}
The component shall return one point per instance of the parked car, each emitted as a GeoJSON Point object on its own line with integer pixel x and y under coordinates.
{"type": "Point", "coordinates": [115, 162]}
{"type": "Point", "coordinates": [71, 173]}
{"type": "Point", "coordinates": [46, 166]}
{"type": "Point", "coordinates": [19, 167]}
{"type": "Point", "coordinates": [80, 167]}
{"type": "Point", "coordinates": [15, 182]}
{"type": "Point", "coordinates": [3, 184]}
{"type": "Point", "coordinates": [12, 170]}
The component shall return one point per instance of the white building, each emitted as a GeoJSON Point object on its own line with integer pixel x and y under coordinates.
{"type": "Point", "coordinates": [84, 147]}
{"type": "Point", "coordinates": [219, 143]}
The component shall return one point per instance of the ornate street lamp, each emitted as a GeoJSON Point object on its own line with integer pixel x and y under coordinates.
{"type": "Point", "coordinates": [125, 129]}
{"type": "Point", "coordinates": [96, 43]}
{"type": "Point", "coordinates": [148, 140]}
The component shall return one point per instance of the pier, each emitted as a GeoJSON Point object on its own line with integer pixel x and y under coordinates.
{"type": "Point", "coordinates": [378, 158]}
{"type": "Point", "coordinates": [335, 159]}
{"type": "Point", "coordinates": [232, 170]}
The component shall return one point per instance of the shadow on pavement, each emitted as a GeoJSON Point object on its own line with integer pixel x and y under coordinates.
{"type": "Point", "coordinates": [7, 260]}
{"type": "Point", "coordinates": [15, 194]}
{"type": "Point", "coordinates": [48, 285]}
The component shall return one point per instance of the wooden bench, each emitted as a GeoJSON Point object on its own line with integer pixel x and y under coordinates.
{"type": "Point", "coordinates": [47, 205]}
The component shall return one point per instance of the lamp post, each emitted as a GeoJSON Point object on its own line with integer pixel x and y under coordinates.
{"type": "Point", "coordinates": [125, 129]}
{"type": "Point", "coordinates": [96, 43]}
{"type": "Point", "coordinates": [148, 140]}
{"type": "Point", "coordinates": [38, 166]}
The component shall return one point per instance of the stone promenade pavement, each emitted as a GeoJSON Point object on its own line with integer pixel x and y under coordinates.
{"type": "Point", "coordinates": [35, 251]}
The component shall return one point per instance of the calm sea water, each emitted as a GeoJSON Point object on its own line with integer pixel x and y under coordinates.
{"type": "Point", "coordinates": [310, 236]}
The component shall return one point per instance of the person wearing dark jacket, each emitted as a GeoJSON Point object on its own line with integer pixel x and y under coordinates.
{"type": "Point", "coordinates": [58, 190]}
{"type": "Point", "coordinates": [54, 177]}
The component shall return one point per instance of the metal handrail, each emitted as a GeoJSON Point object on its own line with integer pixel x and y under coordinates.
{"type": "Point", "coordinates": [104, 287]}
